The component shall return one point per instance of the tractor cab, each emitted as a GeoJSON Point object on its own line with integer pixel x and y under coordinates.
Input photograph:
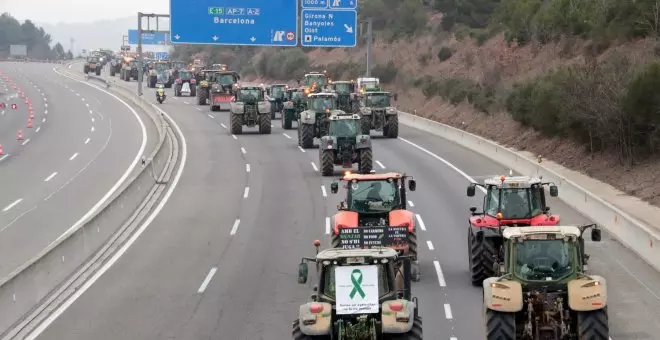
{"type": "Point", "coordinates": [315, 82]}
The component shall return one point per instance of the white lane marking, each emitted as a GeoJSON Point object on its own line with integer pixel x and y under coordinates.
{"type": "Point", "coordinates": [246, 192]}
{"type": "Point", "coordinates": [421, 222]}
{"type": "Point", "coordinates": [25, 141]}
{"type": "Point", "coordinates": [301, 149]}
{"type": "Point", "coordinates": [210, 115]}
{"type": "Point", "coordinates": [207, 280]}
{"type": "Point", "coordinates": [234, 136]}
{"type": "Point", "coordinates": [73, 156]}
{"type": "Point", "coordinates": [234, 228]}
{"type": "Point", "coordinates": [92, 129]}
{"type": "Point", "coordinates": [380, 164]}
{"type": "Point", "coordinates": [223, 125]}
{"type": "Point", "coordinates": [186, 102]}
{"type": "Point", "coordinates": [198, 109]}
{"type": "Point", "coordinates": [77, 94]}
{"type": "Point", "coordinates": [3, 157]}
{"type": "Point", "coordinates": [82, 289]}
{"type": "Point", "coordinates": [243, 150]}
{"type": "Point", "coordinates": [327, 225]}
{"type": "Point", "coordinates": [87, 140]}
{"type": "Point", "coordinates": [315, 167]}
{"type": "Point", "coordinates": [438, 271]}
{"type": "Point", "coordinates": [87, 104]}
{"type": "Point", "coordinates": [92, 119]}
{"type": "Point", "coordinates": [452, 166]}
{"type": "Point", "coordinates": [38, 129]}
{"type": "Point", "coordinates": [12, 204]}
{"type": "Point", "coordinates": [247, 167]}
{"type": "Point", "coordinates": [43, 120]}
{"type": "Point", "coordinates": [455, 338]}
{"type": "Point", "coordinates": [46, 112]}
{"type": "Point", "coordinates": [430, 245]}
{"type": "Point", "coordinates": [45, 105]}
{"type": "Point", "coordinates": [448, 312]}
{"type": "Point", "coordinates": [323, 192]}
{"type": "Point", "coordinates": [50, 177]}
{"type": "Point", "coordinates": [285, 135]}
{"type": "Point", "coordinates": [83, 99]}
{"type": "Point", "coordinates": [410, 203]}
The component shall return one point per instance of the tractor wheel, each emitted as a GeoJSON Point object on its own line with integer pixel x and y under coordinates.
{"type": "Point", "coordinates": [85, 69]}
{"type": "Point", "coordinates": [415, 272]}
{"type": "Point", "coordinates": [366, 126]}
{"type": "Point", "coordinates": [416, 333]}
{"type": "Point", "coordinates": [327, 160]}
{"type": "Point", "coordinates": [286, 121]}
{"type": "Point", "coordinates": [481, 258]}
{"type": "Point", "coordinates": [193, 91]}
{"type": "Point", "coordinates": [201, 97]}
{"type": "Point", "coordinates": [98, 71]}
{"type": "Point", "coordinates": [177, 91]}
{"type": "Point", "coordinates": [112, 72]}
{"type": "Point", "coordinates": [264, 124]}
{"type": "Point", "coordinates": [236, 122]}
{"type": "Point", "coordinates": [392, 127]}
{"type": "Point", "coordinates": [500, 325]}
{"type": "Point", "coordinates": [593, 325]}
{"type": "Point", "coordinates": [298, 335]}
{"type": "Point", "coordinates": [272, 113]}
{"type": "Point", "coordinates": [306, 136]}
{"type": "Point", "coordinates": [366, 162]}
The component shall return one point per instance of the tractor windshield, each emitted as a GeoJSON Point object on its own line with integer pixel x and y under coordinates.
{"type": "Point", "coordinates": [320, 104]}
{"type": "Point", "coordinates": [516, 203]}
{"type": "Point", "coordinates": [93, 60]}
{"type": "Point", "coordinates": [246, 94]}
{"type": "Point", "coordinates": [224, 79]}
{"type": "Point", "coordinates": [320, 80]}
{"type": "Point", "coordinates": [295, 95]}
{"type": "Point", "coordinates": [543, 260]}
{"type": "Point", "coordinates": [185, 75]}
{"type": "Point", "coordinates": [378, 100]}
{"type": "Point", "coordinates": [343, 128]}
{"type": "Point", "coordinates": [161, 67]}
{"type": "Point", "coordinates": [329, 287]}
{"type": "Point", "coordinates": [277, 91]}
{"type": "Point", "coordinates": [342, 88]}
{"type": "Point", "coordinates": [373, 196]}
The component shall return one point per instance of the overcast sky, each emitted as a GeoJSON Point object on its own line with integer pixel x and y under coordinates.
{"type": "Point", "coordinates": [75, 11]}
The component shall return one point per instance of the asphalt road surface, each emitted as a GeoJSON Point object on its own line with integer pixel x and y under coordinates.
{"type": "Point", "coordinates": [80, 145]}
{"type": "Point", "coordinates": [220, 261]}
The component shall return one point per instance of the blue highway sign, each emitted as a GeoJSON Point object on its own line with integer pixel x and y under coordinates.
{"type": "Point", "coordinates": [234, 22]}
{"type": "Point", "coordinates": [316, 4]}
{"type": "Point", "coordinates": [148, 38]}
{"type": "Point", "coordinates": [329, 28]}
{"type": "Point", "coordinates": [343, 4]}
{"type": "Point", "coordinates": [161, 55]}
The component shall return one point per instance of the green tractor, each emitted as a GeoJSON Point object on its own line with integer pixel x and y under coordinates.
{"type": "Point", "coordinates": [315, 82]}
{"type": "Point", "coordinates": [250, 108]}
{"type": "Point", "coordinates": [345, 146]}
{"type": "Point", "coordinates": [347, 99]}
{"type": "Point", "coordinates": [543, 290]}
{"type": "Point", "coordinates": [294, 104]}
{"type": "Point", "coordinates": [313, 122]}
{"type": "Point", "coordinates": [217, 89]}
{"type": "Point", "coordinates": [93, 64]}
{"type": "Point", "coordinates": [129, 70]}
{"type": "Point", "coordinates": [361, 294]}
{"type": "Point", "coordinates": [378, 113]}
{"type": "Point", "coordinates": [276, 96]}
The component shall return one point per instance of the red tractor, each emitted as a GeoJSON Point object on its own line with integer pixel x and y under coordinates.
{"type": "Point", "coordinates": [374, 214]}
{"type": "Point", "coordinates": [516, 201]}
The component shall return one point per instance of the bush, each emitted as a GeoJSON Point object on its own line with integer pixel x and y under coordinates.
{"type": "Point", "coordinates": [445, 53]}
{"type": "Point", "coordinates": [456, 90]}
{"type": "Point", "coordinates": [386, 73]}
{"type": "Point", "coordinates": [289, 63]}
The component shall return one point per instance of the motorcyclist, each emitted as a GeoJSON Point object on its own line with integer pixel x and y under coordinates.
{"type": "Point", "coordinates": [160, 91]}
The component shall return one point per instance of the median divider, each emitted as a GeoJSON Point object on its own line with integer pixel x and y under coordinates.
{"type": "Point", "coordinates": [640, 236]}
{"type": "Point", "coordinates": [34, 289]}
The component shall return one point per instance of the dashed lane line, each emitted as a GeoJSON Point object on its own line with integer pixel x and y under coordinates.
{"type": "Point", "coordinates": [12, 204]}
{"type": "Point", "coordinates": [315, 167]}
{"type": "Point", "coordinates": [323, 192]}
{"type": "Point", "coordinates": [420, 221]}
{"type": "Point", "coordinates": [73, 156]}
{"type": "Point", "coordinates": [51, 176]}
{"type": "Point", "coordinates": [207, 280]}
{"type": "Point", "coordinates": [438, 272]}
{"type": "Point", "coordinates": [234, 228]}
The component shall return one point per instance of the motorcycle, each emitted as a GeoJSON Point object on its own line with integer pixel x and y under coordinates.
{"type": "Point", "coordinates": [160, 94]}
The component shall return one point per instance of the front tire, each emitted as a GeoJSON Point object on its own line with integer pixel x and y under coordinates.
{"type": "Point", "coordinates": [500, 325]}
{"type": "Point", "coordinates": [593, 325]}
{"type": "Point", "coordinates": [366, 126]}
{"type": "Point", "coordinates": [366, 161]}
{"type": "Point", "coordinates": [481, 258]}
{"type": "Point", "coordinates": [264, 124]}
{"type": "Point", "coordinates": [327, 162]}
{"type": "Point", "coordinates": [392, 126]}
{"type": "Point", "coordinates": [236, 122]}
{"type": "Point", "coordinates": [416, 333]}
{"type": "Point", "coordinates": [298, 335]}
{"type": "Point", "coordinates": [306, 136]}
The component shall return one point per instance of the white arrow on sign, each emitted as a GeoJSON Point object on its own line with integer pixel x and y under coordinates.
{"type": "Point", "coordinates": [215, 38]}
{"type": "Point", "coordinates": [253, 39]}
{"type": "Point", "coordinates": [349, 29]}
{"type": "Point", "coordinates": [177, 37]}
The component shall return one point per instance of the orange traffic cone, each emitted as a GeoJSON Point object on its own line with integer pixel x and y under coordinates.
{"type": "Point", "coordinates": [22, 95]}
{"type": "Point", "coordinates": [2, 150]}
{"type": "Point", "coordinates": [31, 115]}
{"type": "Point", "coordinates": [29, 123]}
{"type": "Point", "coordinates": [30, 107]}
{"type": "Point", "coordinates": [27, 101]}
{"type": "Point", "coordinates": [19, 135]}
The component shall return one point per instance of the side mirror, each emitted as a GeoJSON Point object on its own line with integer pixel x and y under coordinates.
{"type": "Point", "coordinates": [595, 235]}
{"type": "Point", "coordinates": [334, 187]}
{"type": "Point", "coordinates": [470, 190]}
{"type": "Point", "coordinates": [303, 269]}
{"type": "Point", "coordinates": [412, 185]}
{"type": "Point", "coordinates": [395, 97]}
{"type": "Point", "coordinates": [473, 209]}
{"type": "Point", "coordinates": [554, 191]}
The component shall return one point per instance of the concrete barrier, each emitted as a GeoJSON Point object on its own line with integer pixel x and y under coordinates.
{"type": "Point", "coordinates": [639, 236]}
{"type": "Point", "coordinates": [31, 283]}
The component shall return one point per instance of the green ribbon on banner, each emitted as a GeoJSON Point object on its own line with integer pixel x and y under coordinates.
{"type": "Point", "coordinates": [357, 284]}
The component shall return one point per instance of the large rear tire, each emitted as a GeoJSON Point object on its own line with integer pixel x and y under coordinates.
{"type": "Point", "coordinates": [593, 325]}
{"type": "Point", "coordinates": [202, 95]}
{"type": "Point", "coordinates": [366, 126]}
{"type": "Point", "coordinates": [500, 325]}
{"type": "Point", "coordinates": [298, 335]}
{"type": "Point", "coordinates": [481, 258]}
{"type": "Point", "coordinates": [306, 136]}
{"type": "Point", "coordinates": [416, 333]}
{"type": "Point", "coordinates": [415, 272]}
{"type": "Point", "coordinates": [366, 162]}
{"type": "Point", "coordinates": [327, 159]}
{"type": "Point", "coordinates": [236, 122]}
{"type": "Point", "coordinates": [264, 124]}
{"type": "Point", "coordinates": [286, 120]}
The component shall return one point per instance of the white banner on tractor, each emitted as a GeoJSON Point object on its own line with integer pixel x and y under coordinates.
{"type": "Point", "coordinates": [185, 87]}
{"type": "Point", "coordinates": [357, 289]}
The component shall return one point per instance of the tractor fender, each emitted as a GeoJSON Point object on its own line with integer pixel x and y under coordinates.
{"type": "Point", "coordinates": [327, 141]}
{"type": "Point", "coordinates": [587, 294]}
{"type": "Point", "coordinates": [263, 107]}
{"type": "Point", "coordinates": [237, 108]}
{"type": "Point", "coordinates": [503, 295]}
{"type": "Point", "coordinates": [388, 317]}
{"type": "Point", "coordinates": [315, 324]}
{"type": "Point", "coordinates": [391, 111]}
{"type": "Point", "coordinates": [362, 142]}
{"type": "Point", "coordinates": [308, 117]}
{"type": "Point", "coordinates": [400, 217]}
{"type": "Point", "coordinates": [345, 219]}
{"type": "Point", "coordinates": [485, 231]}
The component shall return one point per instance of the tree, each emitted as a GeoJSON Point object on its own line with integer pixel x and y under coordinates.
{"type": "Point", "coordinates": [37, 41]}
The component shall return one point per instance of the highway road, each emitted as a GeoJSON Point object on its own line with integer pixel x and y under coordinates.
{"type": "Point", "coordinates": [82, 146]}
{"type": "Point", "coordinates": [220, 261]}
